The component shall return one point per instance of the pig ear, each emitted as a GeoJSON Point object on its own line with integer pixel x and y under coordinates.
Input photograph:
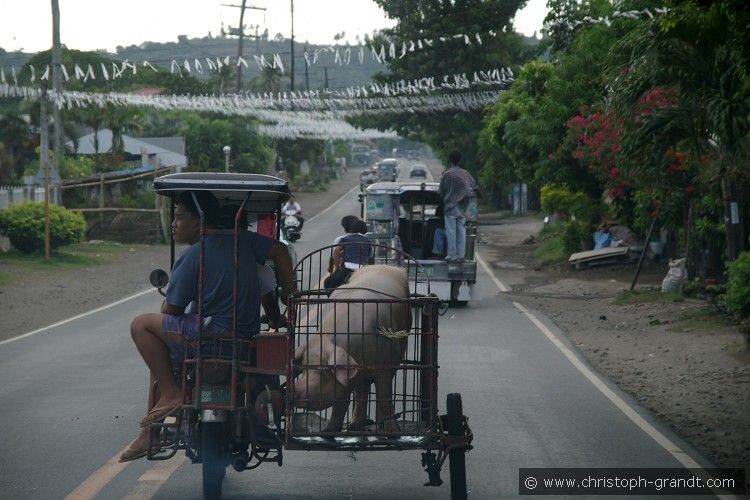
{"type": "Point", "coordinates": [347, 366]}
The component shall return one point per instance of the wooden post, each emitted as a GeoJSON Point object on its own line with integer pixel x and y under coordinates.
{"type": "Point", "coordinates": [645, 246]}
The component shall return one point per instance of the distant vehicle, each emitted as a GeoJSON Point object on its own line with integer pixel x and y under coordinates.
{"type": "Point", "coordinates": [368, 176]}
{"type": "Point", "coordinates": [417, 171]}
{"type": "Point", "coordinates": [408, 215]}
{"type": "Point", "coordinates": [361, 155]}
{"type": "Point", "coordinates": [388, 169]}
{"type": "Point", "coordinates": [412, 155]}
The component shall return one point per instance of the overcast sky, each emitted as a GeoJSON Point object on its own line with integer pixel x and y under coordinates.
{"type": "Point", "coordinates": [26, 25]}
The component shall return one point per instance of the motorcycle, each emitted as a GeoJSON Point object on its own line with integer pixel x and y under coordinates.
{"type": "Point", "coordinates": [292, 227]}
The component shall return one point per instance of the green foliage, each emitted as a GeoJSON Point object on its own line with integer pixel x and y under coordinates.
{"type": "Point", "coordinates": [80, 166]}
{"type": "Point", "coordinates": [309, 183]}
{"type": "Point", "coordinates": [24, 225]}
{"type": "Point", "coordinates": [448, 130]}
{"type": "Point", "coordinates": [645, 296]}
{"type": "Point", "coordinates": [737, 297]}
{"type": "Point", "coordinates": [206, 136]}
{"type": "Point", "coordinates": [551, 250]}
{"type": "Point", "coordinates": [17, 145]}
{"type": "Point", "coordinates": [140, 199]}
{"type": "Point", "coordinates": [576, 234]}
{"type": "Point", "coordinates": [558, 199]}
{"type": "Point", "coordinates": [70, 167]}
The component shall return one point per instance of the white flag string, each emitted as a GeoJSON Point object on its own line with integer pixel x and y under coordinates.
{"type": "Point", "coordinates": [287, 116]}
{"type": "Point", "coordinates": [339, 55]}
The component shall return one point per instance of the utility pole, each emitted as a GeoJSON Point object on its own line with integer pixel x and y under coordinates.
{"type": "Point", "coordinates": [292, 63]}
{"type": "Point", "coordinates": [241, 34]}
{"type": "Point", "coordinates": [307, 77]}
{"type": "Point", "coordinates": [44, 163]}
{"type": "Point", "coordinates": [325, 70]}
{"type": "Point", "coordinates": [57, 86]}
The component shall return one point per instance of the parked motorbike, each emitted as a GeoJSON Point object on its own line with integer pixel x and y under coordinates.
{"type": "Point", "coordinates": [292, 228]}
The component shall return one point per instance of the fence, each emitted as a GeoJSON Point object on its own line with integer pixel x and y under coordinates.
{"type": "Point", "coordinates": [15, 195]}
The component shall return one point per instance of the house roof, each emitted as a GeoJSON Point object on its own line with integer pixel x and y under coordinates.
{"type": "Point", "coordinates": [133, 146]}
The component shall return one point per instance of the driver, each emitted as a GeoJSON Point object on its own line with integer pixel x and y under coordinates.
{"type": "Point", "coordinates": [291, 207]}
{"type": "Point", "coordinates": [162, 338]}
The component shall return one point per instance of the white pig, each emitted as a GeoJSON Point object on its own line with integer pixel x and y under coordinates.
{"type": "Point", "coordinates": [365, 345]}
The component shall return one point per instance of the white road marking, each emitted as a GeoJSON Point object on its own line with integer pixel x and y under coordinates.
{"type": "Point", "coordinates": [502, 286]}
{"type": "Point", "coordinates": [333, 204]}
{"type": "Point", "coordinates": [79, 316]}
{"type": "Point", "coordinates": [673, 449]}
{"type": "Point", "coordinates": [663, 441]}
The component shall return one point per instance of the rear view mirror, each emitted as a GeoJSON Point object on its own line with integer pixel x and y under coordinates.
{"type": "Point", "coordinates": [158, 278]}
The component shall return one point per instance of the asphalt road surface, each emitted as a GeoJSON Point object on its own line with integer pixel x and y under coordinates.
{"type": "Point", "coordinates": [72, 396]}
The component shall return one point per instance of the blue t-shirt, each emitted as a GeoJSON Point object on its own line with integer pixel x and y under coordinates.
{"type": "Point", "coordinates": [218, 282]}
{"type": "Point", "coordinates": [359, 249]}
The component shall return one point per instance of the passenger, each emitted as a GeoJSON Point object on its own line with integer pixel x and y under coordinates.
{"type": "Point", "coordinates": [354, 251]}
{"type": "Point", "coordinates": [162, 338]}
{"type": "Point", "coordinates": [346, 224]}
{"type": "Point", "coordinates": [456, 186]}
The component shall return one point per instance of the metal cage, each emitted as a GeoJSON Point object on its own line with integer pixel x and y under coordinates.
{"type": "Point", "coordinates": [414, 421]}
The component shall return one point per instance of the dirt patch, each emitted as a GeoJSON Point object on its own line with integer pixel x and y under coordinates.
{"type": "Point", "coordinates": [690, 367]}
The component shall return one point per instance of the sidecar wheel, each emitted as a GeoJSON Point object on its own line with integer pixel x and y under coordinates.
{"type": "Point", "coordinates": [456, 458]}
{"type": "Point", "coordinates": [212, 460]}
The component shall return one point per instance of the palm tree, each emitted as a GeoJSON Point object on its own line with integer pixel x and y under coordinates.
{"type": "Point", "coordinates": [16, 147]}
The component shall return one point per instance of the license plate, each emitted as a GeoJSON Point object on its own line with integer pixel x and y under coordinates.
{"type": "Point", "coordinates": [214, 393]}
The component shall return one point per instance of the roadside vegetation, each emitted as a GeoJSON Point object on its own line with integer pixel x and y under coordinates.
{"type": "Point", "coordinates": [19, 266]}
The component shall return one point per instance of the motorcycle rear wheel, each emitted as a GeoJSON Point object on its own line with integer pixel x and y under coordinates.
{"type": "Point", "coordinates": [212, 461]}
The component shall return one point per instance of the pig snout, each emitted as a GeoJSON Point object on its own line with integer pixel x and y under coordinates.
{"type": "Point", "coordinates": [318, 388]}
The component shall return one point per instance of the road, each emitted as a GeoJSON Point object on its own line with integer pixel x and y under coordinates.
{"type": "Point", "coordinates": [72, 397]}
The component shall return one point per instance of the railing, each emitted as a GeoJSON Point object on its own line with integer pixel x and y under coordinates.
{"type": "Point", "coordinates": [15, 195]}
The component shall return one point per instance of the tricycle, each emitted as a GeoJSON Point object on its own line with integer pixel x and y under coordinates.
{"type": "Point", "coordinates": [246, 400]}
{"type": "Point", "coordinates": [408, 215]}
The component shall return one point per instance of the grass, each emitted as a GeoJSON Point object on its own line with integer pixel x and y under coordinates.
{"type": "Point", "coordinates": [644, 296]}
{"type": "Point", "coordinates": [551, 250]}
{"type": "Point", "coordinates": [701, 320]}
{"type": "Point", "coordinates": [72, 256]}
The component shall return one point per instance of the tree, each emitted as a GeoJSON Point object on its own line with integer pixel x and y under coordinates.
{"type": "Point", "coordinates": [19, 141]}
{"type": "Point", "coordinates": [700, 52]}
{"type": "Point", "coordinates": [445, 131]}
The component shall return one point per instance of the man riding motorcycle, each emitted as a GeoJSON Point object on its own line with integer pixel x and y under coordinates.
{"type": "Point", "coordinates": [291, 207]}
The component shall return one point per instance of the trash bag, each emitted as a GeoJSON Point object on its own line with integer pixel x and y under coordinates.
{"type": "Point", "coordinates": [675, 277]}
{"type": "Point", "coordinates": [602, 239]}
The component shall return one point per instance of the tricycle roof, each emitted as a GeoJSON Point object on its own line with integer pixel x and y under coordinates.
{"type": "Point", "coordinates": [224, 185]}
{"type": "Point", "coordinates": [401, 187]}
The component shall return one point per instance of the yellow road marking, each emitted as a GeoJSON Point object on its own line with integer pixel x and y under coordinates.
{"type": "Point", "coordinates": [99, 479]}
{"type": "Point", "coordinates": [153, 479]}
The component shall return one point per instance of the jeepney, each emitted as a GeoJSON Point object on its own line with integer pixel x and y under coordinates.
{"type": "Point", "coordinates": [408, 215]}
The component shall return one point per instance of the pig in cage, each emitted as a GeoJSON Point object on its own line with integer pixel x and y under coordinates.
{"type": "Point", "coordinates": [364, 371]}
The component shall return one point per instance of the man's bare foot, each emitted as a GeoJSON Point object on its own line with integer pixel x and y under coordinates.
{"type": "Point", "coordinates": [163, 407]}
{"type": "Point", "coordinates": [137, 448]}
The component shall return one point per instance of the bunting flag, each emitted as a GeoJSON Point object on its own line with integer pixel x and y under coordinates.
{"type": "Point", "coordinates": [292, 115]}
{"type": "Point", "coordinates": [339, 55]}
